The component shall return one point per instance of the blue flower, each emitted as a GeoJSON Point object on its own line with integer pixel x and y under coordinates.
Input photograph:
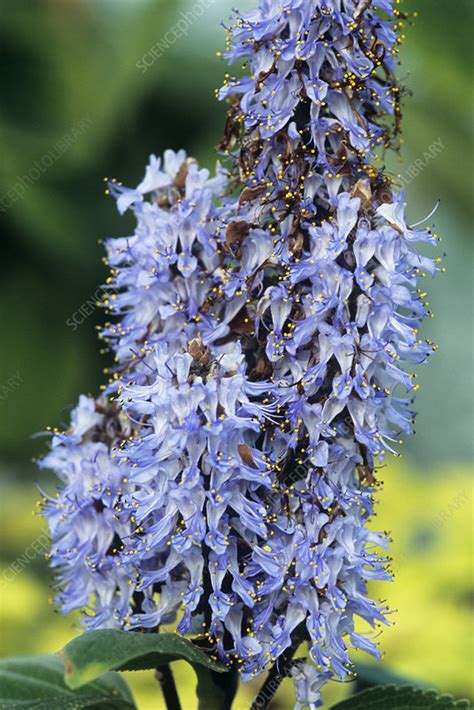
{"type": "Point", "coordinates": [263, 350]}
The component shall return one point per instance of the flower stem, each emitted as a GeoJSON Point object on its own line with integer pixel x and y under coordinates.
{"type": "Point", "coordinates": [276, 676]}
{"type": "Point", "coordinates": [164, 676]}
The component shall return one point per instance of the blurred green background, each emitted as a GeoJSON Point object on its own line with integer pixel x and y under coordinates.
{"type": "Point", "coordinates": [77, 105]}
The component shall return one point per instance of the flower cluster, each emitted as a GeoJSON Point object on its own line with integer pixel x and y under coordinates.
{"type": "Point", "coordinates": [263, 350]}
{"type": "Point", "coordinates": [82, 517]}
{"type": "Point", "coordinates": [313, 110]}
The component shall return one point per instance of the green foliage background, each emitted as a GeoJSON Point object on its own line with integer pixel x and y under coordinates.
{"type": "Point", "coordinates": [64, 61]}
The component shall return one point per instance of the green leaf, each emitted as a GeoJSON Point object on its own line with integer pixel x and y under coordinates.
{"type": "Point", "coordinates": [88, 656]}
{"type": "Point", "coordinates": [404, 698]}
{"type": "Point", "coordinates": [37, 682]}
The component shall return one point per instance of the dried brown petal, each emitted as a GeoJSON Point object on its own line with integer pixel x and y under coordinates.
{"type": "Point", "coordinates": [246, 455]}
{"type": "Point", "coordinates": [363, 191]}
{"type": "Point", "coordinates": [251, 193]}
{"type": "Point", "coordinates": [235, 235]}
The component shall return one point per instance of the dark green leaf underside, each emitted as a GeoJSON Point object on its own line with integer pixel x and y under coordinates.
{"type": "Point", "coordinates": [404, 698]}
